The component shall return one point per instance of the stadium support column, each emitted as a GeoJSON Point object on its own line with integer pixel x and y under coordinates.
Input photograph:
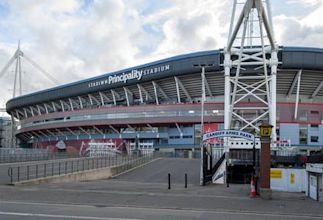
{"type": "Point", "coordinates": [202, 181]}
{"type": "Point", "coordinates": [227, 90]}
{"type": "Point", "coordinates": [273, 91]}
{"type": "Point", "coordinates": [227, 106]}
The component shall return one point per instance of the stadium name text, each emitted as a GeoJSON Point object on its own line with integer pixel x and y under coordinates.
{"type": "Point", "coordinates": [229, 133]}
{"type": "Point", "coordinates": [133, 74]}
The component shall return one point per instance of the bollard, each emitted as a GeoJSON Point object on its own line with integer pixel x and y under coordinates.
{"type": "Point", "coordinates": [18, 170]}
{"type": "Point", "coordinates": [28, 172]}
{"type": "Point", "coordinates": [169, 181]}
{"type": "Point", "coordinates": [185, 180]}
{"type": "Point", "coordinates": [10, 174]}
{"type": "Point", "coordinates": [36, 170]}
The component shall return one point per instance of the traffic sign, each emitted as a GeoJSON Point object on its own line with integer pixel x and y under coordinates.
{"type": "Point", "coordinates": [265, 130]}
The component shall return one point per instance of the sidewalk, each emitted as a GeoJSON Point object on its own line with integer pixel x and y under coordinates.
{"type": "Point", "coordinates": [129, 190]}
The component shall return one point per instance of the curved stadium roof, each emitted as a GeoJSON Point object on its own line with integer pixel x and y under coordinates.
{"type": "Point", "coordinates": [291, 58]}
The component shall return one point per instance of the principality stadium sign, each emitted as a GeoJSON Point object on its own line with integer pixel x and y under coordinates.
{"type": "Point", "coordinates": [134, 74]}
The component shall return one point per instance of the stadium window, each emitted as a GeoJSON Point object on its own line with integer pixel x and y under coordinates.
{"type": "Point", "coordinates": [174, 137]}
{"type": "Point", "coordinates": [278, 114]}
{"type": "Point", "coordinates": [187, 136]}
{"type": "Point", "coordinates": [302, 116]}
{"type": "Point", "coordinates": [314, 139]}
{"type": "Point", "coordinates": [303, 134]}
{"type": "Point", "coordinates": [163, 141]}
{"type": "Point", "coordinates": [315, 112]}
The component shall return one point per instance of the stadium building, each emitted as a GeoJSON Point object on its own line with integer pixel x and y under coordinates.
{"type": "Point", "coordinates": [168, 104]}
{"type": "Point", "coordinates": [159, 104]}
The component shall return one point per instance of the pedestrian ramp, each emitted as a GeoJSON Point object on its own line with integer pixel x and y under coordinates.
{"type": "Point", "coordinates": [157, 171]}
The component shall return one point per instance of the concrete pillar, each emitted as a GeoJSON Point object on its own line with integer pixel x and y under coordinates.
{"type": "Point", "coordinates": [265, 191]}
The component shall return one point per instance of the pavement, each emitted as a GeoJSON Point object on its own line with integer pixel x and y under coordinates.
{"type": "Point", "coordinates": [143, 194]}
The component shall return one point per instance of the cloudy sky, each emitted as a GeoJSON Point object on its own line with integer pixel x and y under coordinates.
{"type": "Point", "coordinates": [78, 39]}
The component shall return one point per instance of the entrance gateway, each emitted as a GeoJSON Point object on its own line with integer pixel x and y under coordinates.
{"type": "Point", "coordinates": [229, 133]}
{"type": "Point", "coordinates": [217, 173]}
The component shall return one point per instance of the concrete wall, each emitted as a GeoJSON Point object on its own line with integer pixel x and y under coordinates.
{"type": "Point", "coordinates": [88, 175]}
{"type": "Point", "coordinates": [289, 132]}
{"type": "Point", "coordinates": [175, 137]}
{"type": "Point", "coordinates": [102, 173]}
{"type": "Point", "coordinates": [315, 181]}
{"type": "Point", "coordinates": [288, 180]}
{"type": "Point", "coordinates": [313, 131]}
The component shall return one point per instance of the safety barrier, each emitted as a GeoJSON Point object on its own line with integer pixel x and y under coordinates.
{"type": "Point", "coordinates": [68, 166]}
{"type": "Point", "coordinates": [12, 155]}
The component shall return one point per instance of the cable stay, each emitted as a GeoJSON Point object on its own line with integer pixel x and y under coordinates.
{"type": "Point", "coordinates": [16, 58]}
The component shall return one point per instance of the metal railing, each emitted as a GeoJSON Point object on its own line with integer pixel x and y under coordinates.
{"type": "Point", "coordinates": [289, 152]}
{"type": "Point", "coordinates": [12, 155]}
{"type": "Point", "coordinates": [68, 166]}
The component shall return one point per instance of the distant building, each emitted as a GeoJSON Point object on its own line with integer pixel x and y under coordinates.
{"type": "Point", "coordinates": [5, 132]}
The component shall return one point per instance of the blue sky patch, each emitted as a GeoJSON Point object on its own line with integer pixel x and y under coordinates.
{"type": "Point", "coordinates": [4, 10]}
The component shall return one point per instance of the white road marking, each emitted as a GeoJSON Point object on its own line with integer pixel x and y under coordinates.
{"type": "Point", "coordinates": [168, 210]}
{"type": "Point", "coordinates": [61, 216]}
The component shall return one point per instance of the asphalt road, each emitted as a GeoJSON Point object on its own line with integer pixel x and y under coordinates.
{"type": "Point", "coordinates": [143, 194]}
{"type": "Point", "coordinates": [17, 210]}
{"type": "Point", "coordinates": [157, 172]}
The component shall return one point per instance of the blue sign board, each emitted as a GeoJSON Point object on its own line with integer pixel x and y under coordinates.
{"type": "Point", "coordinates": [229, 133]}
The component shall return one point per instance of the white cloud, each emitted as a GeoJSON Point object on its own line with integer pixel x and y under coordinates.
{"type": "Point", "coordinates": [193, 26]}
{"type": "Point", "coordinates": [307, 3]}
{"type": "Point", "coordinates": [69, 43]}
{"type": "Point", "coordinates": [73, 40]}
{"type": "Point", "coordinates": [314, 19]}
{"type": "Point", "coordinates": [301, 31]}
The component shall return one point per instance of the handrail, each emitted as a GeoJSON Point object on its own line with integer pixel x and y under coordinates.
{"type": "Point", "coordinates": [218, 164]}
{"type": "Point", "coordinates": [58, 167]}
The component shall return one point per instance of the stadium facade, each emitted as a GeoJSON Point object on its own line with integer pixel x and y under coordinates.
{"type": "Point", "coordinates": [159, 104]}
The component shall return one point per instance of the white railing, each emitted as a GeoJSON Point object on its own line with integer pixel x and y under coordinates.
{"type": "Point", "coordinates": [142, 147]}
{"type": "Point", "coordinates": [217, 153]}
{"type": "Point", "coordinates": [102, 149]}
